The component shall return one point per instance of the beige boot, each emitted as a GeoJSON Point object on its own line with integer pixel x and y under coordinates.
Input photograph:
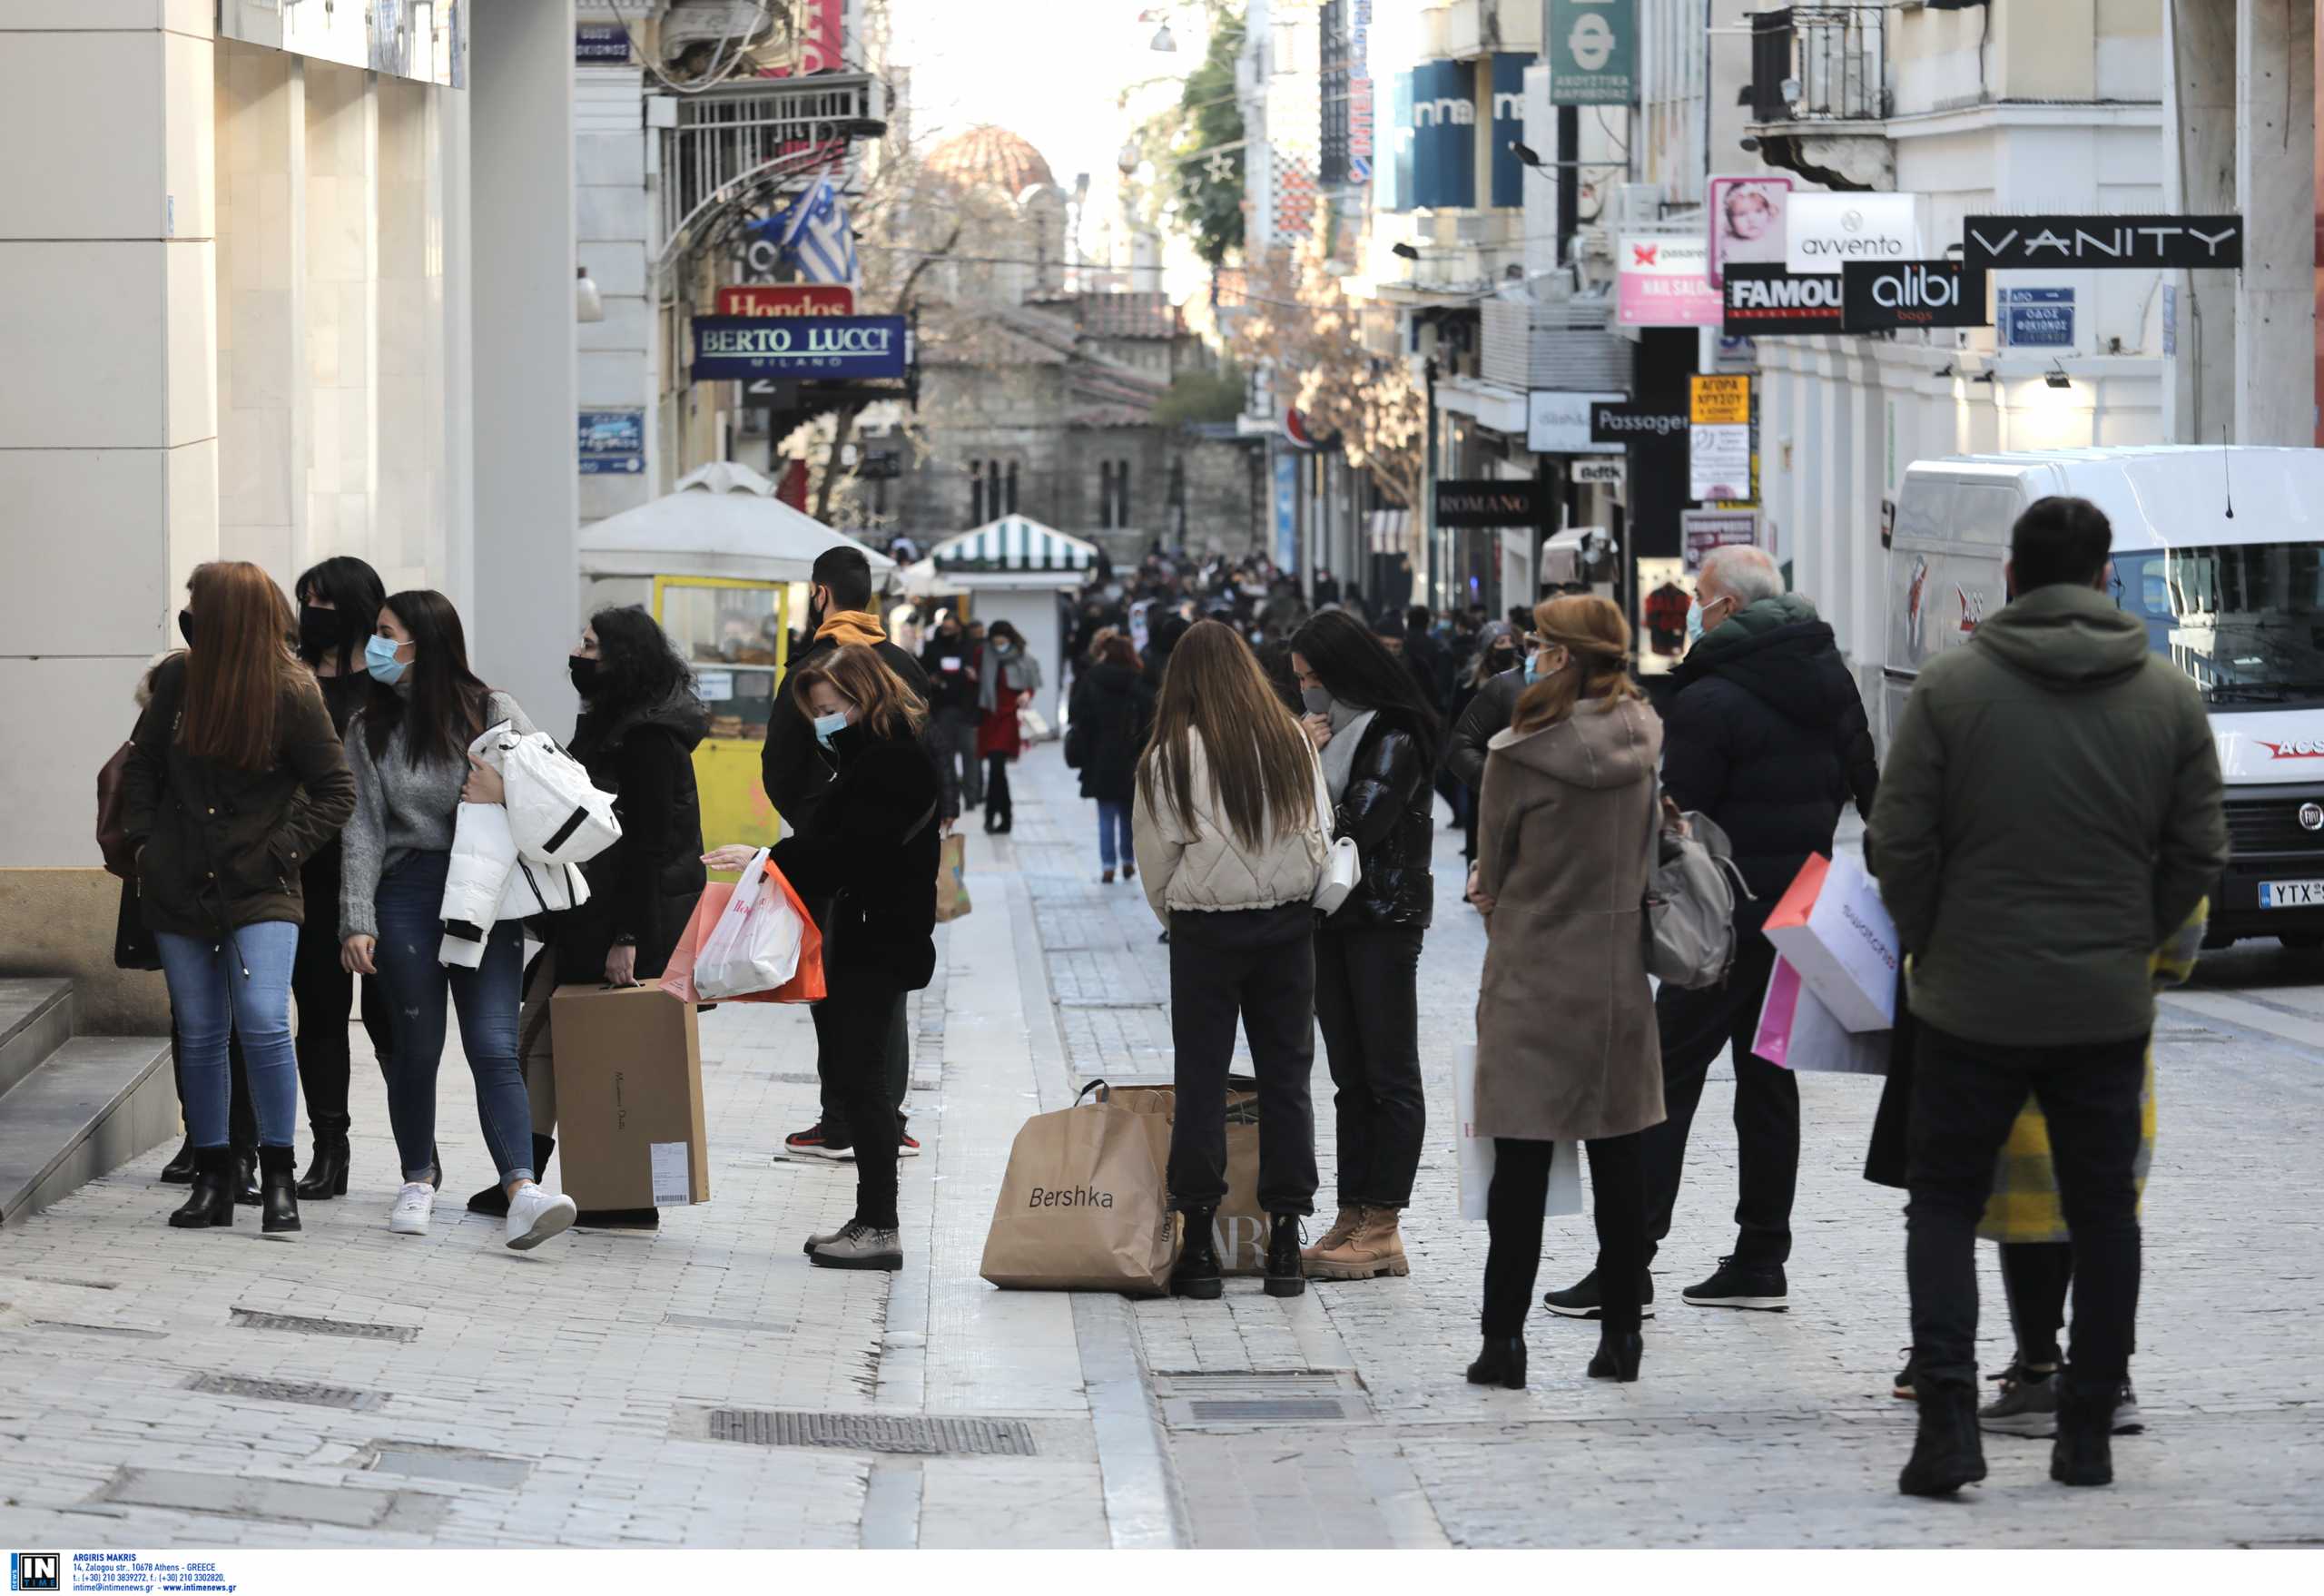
{"type": "Point", "coordinates": [1342, 1229]}
{"type": "Point", "coordinates": [1374, 1247]}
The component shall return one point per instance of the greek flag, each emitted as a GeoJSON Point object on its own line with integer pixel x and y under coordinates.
{"type": "Point", "coordinates": [813, 233]}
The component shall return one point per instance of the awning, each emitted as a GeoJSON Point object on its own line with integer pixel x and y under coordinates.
{"type": "Point", "coordinates": [723, 521]}
{"type": "Point", "coordinates": [1013, 543]}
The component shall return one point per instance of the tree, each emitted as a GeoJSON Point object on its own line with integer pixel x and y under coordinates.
{"type": "Point", "coordinates": [1201, 396]}
{"type": "Point", "coordinates": [1210, 205]}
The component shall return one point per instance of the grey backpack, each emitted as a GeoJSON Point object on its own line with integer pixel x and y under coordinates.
{"type": "Point", "coordinates": [1691, 881]}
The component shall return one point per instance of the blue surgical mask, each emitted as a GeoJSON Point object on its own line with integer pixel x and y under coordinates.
{"type": "Point", "coordinates": [379, 659]}
{"type": "Point", "coordinates": [828, 726]}
{"type": "Point", "coordinates": [1694, 623]}
{"type": "Point", "coordinates": [1532, 669]}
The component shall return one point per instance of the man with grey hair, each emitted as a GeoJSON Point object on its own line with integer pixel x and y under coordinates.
{"type": "Point", "coordinates": [1765, 735]}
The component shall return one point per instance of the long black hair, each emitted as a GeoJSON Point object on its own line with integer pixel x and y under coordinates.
{"type": "Point", "coordinates": [444, 709]}
{"type": "Point", "coordinates": [355, 590]}
{"type": "Point", "coordinates": [1356, 668]}
{"type": "Point", "coordinates": [636, 667]}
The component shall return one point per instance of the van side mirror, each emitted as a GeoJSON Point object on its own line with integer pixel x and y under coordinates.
{"type": "Point", "coordinates": [1887, 523]}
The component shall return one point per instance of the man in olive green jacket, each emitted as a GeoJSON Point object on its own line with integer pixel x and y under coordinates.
{"type": "Point", "coordinates": [2048, 815]}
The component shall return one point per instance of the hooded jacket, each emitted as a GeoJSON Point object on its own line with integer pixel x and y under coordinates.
{"type": "Point", "coordinates": [1566, 1043]}
{"type": "Point", "coordinates": [1113, 709]}
{"type": "Point", "coordinates": [2050, 814]}
{"type": "Point", "coordinates": [1388, 807]}
{"type": "Point", "coordinates": [1768, 735]}
{"type": "Point", "coordinates": [642, 890]}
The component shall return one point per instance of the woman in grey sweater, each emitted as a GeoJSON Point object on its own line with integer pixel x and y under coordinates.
{"type": "Point", "coordinates": [409, 750]}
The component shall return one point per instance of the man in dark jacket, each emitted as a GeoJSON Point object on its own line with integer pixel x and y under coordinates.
{"type": "Point", "coordinates": [949, 663]}
{"type": "Point", "coordinates": [1767, 735]}
{"type": "Point", "coordinates": [2052, 816]}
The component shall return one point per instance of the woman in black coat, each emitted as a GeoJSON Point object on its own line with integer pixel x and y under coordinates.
{"type": "Point", "coordinates": [1379, 740]}
{"type": "Point", "coordinates": [873, 860]}
{"type": "Point", "coordinates": [1113, 711]}
{"type": "Point", "coordinates": [640, 723]}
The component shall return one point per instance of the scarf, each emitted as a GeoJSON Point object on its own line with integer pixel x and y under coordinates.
{"type": "Point", "coordinates": [1348, 726]}
{"type": "Point", "coordinates": [851, 625]}
{"type": "Point", "coordinates": [1017, 672]}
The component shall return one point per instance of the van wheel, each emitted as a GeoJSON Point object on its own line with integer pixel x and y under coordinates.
{"type": "Point", "coordinates": [2302, 940]}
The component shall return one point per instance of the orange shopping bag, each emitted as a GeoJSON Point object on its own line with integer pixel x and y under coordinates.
{"type": "Point", "coordinates": [805, 985]}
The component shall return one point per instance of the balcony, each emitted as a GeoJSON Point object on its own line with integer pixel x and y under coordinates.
{"type": "Point", "coordinates": [1559, 344]}
{"type": "Point", "coordinates": [1819, 93]}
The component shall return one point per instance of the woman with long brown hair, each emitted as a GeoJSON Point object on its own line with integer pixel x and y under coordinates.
{"type": "Point", "coordinates": [235, 780]}
{"type": "Point", "coordinates": [1229, 822]}
{"type": "Point", "coordinates": [1566, 1044]}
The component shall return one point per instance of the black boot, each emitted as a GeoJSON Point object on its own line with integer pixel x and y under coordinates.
{"type": "Point", "coordinates": [211, 1201]}
{"type": "Point", "coordinates": [1196, 1274]}
{"type": "Point", "coordinates": [619, 1220]}
{"type": "Point", "coordinates": [279, 1191]}
{"type": "Point", "coordinates": [326, 1175]}
{"type": "Point", "coordinates": [1501, 1362]}
{"type": "Point", "coordinates": [1948, 1453]}
{"type": "Point", "coordinates": [1619, 1351]}
{"type": "Point", "coordinates": [179, 1170]}
{"type": "Point", "coordinates": [493, 1198]}
{"type": "Point", "coordinates": [246, 1192]}
{"type": "Point", "coordinates": [1286, 1271]}
{"type": "Point", "coordinates": [2083, 1452]}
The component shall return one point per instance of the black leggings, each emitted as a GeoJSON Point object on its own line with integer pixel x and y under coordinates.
{"type": "Point", "coordinates": [996, 785]}
{"type": "Point", "coordinates": [2036, 1275]}
{"type": "Point", "coordinates": [325, 992]}
{"type": "Point", "coordinates": [1520, 1186]}
{"type": "Point", "coordinates": [855, 1020]}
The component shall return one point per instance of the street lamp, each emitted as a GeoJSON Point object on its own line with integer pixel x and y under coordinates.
{"type": "Point", "coordinates": [2056, 376]}
{"type": "Point", "coordinates": [588, 305]}
{"type": "Point", "coordinates": [1403, 252]}
{"type": "Point", "coordinates": [1163, 42]}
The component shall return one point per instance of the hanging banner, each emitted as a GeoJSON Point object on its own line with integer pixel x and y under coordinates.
{"type": "Point", "coordinates": [1508, 128]}
{"type": "Point", "coordinates": [1700, 531]}
{"type": "Point", "coordinates": [1718, 462]}
{"type": "Point", "coordinates": [786, 299]}
{"type": "Point", "coordinates": [1558, 423]}
{"type": "Point", "coordinates": [1492, 502]}
{"type": "Point", "coordinates": [1822, 232]}
{"type": "Point", "coordinates": [1746, 221]}
{"type": "Point", "coordinates": [1444, 136]}
{"type": "Point", "coordinates": [1719, 401]}
{"type": "Point", "coordinates": [2122, 244]}
{"type": "Point", "coordinates": [1876, 297]}
{"type": "Point", "coordinates": [1763, 299]}
{"type": "Point", "coordinates": [1287, 512]}
{"type": "Point", "coordinates": [1359, 94]}
{"type": "Point", "coordinates": [1664, 283]}
{"type": "Point", "coordinates": [1592, 51]}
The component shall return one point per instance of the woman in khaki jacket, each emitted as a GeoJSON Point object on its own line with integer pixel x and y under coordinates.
{"type": "Point", "coordinates": [1566, 1045]}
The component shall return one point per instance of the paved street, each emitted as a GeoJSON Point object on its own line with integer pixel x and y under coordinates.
{"type": "Point", "coordinates": [355, 1388]}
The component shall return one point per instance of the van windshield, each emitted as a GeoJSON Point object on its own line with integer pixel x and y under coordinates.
{"type": "Point", "coordinates": [2245, 622]}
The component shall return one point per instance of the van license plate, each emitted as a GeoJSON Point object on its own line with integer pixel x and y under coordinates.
{"type": "Point", "coordinates": [2292, 894]}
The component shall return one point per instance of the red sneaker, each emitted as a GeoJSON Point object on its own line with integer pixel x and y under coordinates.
{"type": "Point", "coordinates": [814, 1143]}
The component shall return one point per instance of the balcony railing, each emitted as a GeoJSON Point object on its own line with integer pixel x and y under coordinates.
{"type": "Point", "coordinates": [1819, 63]}
{"type": "Point", "coordinates": [1555, 344]}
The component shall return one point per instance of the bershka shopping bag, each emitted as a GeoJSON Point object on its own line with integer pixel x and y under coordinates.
{"type": "Point", "coordinates": [1476, 1153]}
{"type": "Point", "coordinates": [1083, 1206]}
{"type": "Point", "coordinates": [1799, 1032]}
{"type": "Point", "coordinates": [754, 946]}
{"type": "Point", "coordinates": [1833, 927]}
{"type": "Point", "coordinates": [1239, 1228]}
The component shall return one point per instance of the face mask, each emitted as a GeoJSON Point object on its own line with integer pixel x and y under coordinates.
{"type": "Point", "coordinates": [379, 659]}
{"type": "Point", "coordinates": [828, 726]}
{"type": "Point", "coordinates": [1498, 660]}
{"type": "Point", "coordinates": [319, 631]}
{"type": "Point", "coordinates": [1532, 669]}
{"type": "Point", "coordinates": [185, 627]}
{"type": "Point", "coordinates": [1317, 699]}
{"type": "Point", "coordinates": [583, 673]}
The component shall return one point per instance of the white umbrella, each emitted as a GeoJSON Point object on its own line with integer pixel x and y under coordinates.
{"type": "Point", "coordinates": [724, 520]}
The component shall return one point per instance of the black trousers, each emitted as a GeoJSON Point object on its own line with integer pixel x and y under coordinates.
{"type": "Point", "coordinates": [1521, 1185]}
{"type": "Point", "coordinates": [326, 995]}
{"type": "Point", "coordinates": [2035, 1277]}
{"type": "Point", "coordinates": [996, 787]}
{"type": "Point", "coordinates": [1965, 1097]}
{"type": "Point", "coordinates": [1696, 1028]}
{"type": "Point", "coordinates": [895, 1071]}
{"type": "Point", "coordinates": [1367, 1001]}
{"type": "Point", "coordinates": [1257, 965]}
{"type": "Point", "coordinates": [854, 1021]}
{"type": "Point", "coordinates": [242, 1118]}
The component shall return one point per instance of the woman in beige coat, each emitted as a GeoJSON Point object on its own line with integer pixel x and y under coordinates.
{"type": "Point", "coordinates": [1566, 1045]}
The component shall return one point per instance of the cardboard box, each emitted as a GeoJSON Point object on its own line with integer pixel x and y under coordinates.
{"type": "Point", "coordinates": [629, 1119]}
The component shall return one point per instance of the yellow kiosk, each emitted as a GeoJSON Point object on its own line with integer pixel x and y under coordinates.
{"type": "Point", "coordinates": [722, 564]}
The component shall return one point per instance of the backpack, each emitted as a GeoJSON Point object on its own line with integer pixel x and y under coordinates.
{"type": "Point", "coordinates": [1692, 881]}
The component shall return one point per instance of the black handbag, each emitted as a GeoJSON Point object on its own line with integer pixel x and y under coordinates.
{"type": "Point", "coordinates": [133, 946]}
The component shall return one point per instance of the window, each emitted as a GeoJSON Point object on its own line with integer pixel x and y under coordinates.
{"type": "Point", "coordinates": [1113, 494]}
{"type": "Point", "coordinates": [993, 491]}
{"type": "Point", "coordinates": [1011, 494]}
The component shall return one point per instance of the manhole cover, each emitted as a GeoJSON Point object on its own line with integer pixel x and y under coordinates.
{"type": "Point", "coordinates": [298, 1391]}
{"type": "Point", "coordinates": [459, 1465]}
{"type": "Point", "coordinates": [1325, 1396]}
{"type": "Point", "coordinates": [926, 1437]}
{"type": "Point", "coordinates": [297, 1324]}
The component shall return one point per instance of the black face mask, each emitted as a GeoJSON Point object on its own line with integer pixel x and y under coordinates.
{"type": "Point", "coordinates": [583, 673]}
{"type": "Point", "coordinates": [319, 632]}
{"type": "Point", "coordinates": [1498, 660]}
{"type": "Point", "coordinates": [185, 627]}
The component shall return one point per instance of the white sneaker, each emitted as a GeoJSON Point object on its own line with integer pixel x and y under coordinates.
{"type": "Point", "coordinates": [535, 1215]}
{"type": "Point", "coordinates": [415, 1205]}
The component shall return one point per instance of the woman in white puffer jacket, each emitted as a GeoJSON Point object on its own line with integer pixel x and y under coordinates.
{"type": "Point", "coordinates": [1229, 829]}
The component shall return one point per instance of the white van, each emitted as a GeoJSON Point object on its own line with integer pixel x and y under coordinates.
{"type": "Point", "coordinates": [2220, 552]}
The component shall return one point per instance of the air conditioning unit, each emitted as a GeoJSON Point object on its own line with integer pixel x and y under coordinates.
{"type": "Point", "coordinates": [1639, 203]}
{"type": "Point", "coordinates": [700, 26]}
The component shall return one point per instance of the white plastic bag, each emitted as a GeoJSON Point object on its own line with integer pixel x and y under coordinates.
{"type": "Point", "coordinates": [1476, 1155]}
{"type": "Point", "coordinates": [754, 946]}
{"type": "Point", "coordinates": [1343, 864]}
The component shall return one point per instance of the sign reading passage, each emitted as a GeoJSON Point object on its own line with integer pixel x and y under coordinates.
{"type": "Point", "coordinates": [786, 299]}
{"type": "Point", "coordinates": [1639, 424]}
{"type": "Point", "coordinates": [1822, 232]}
{"type": "Point", "coordinates": [1593, 52]}
{"type": "Point", "coordinates": [1489, 502]}
{"type": "Point", "coordinates": [843, 348]}
{"type": "Point", "coordinates": [1762, 300]}
{"type": "Point", "coordinates": [2043, 319]}
{"type": "Point", "coordinates": [1719, 401]}
{"type": "Point", "coordinates": [1876, 297]}
{"type": "Point", "coordinates": [2141, 243]}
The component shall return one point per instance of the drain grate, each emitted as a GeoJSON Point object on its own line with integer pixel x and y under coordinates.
{"type": "Point", "coordinates": [926, 1437]}
{"type": "Point", "coordinates": [298, 1325]}
{"type": "Point", "coordinates": [298, 1391]}
{"type": "Point", "coordinates": [1323, 1396]}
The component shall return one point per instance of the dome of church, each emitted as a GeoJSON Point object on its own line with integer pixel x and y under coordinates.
{"type": "Point", "coordinates": [992, 156]}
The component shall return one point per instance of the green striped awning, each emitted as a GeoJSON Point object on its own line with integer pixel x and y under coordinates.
{"type": "Point", "coordinates": [1014, 544]}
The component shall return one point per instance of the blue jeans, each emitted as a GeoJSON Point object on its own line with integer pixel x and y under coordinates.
{"type": "Point", "coordinates": [1113, 834]}
{"type": "Point", "coordinates": [411, 933]}
{"type": "Point", "coordinates": [240, 984]}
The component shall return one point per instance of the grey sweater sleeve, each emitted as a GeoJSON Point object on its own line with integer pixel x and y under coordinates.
{"type": "Point", "coordinates": [363, 845]}
{"type": "Point", "coordinates": [501, 707]}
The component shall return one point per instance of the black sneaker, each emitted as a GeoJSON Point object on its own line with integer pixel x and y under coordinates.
{"type": "Point", "coordinates": [814, 1142]}
{"type": "Point", "coordinates": [2127, 1418]}
{"type": "Point", "coordinates": [1947, 1453]}
{"type": "Point", "coordinates": [1908, 1376]}
{"type": "Point", "coordinates": [1581, 1300]}
{"type": "Point", "coordinates": [2028, 1403]}
{"type": "Point", "coordinates": [1740, 1285]}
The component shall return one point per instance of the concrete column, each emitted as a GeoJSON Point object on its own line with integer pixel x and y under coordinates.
{"type": "Point", "coordinates": [264, 416]}
{"type": "Point", "coordinates": [342, 136]}
{"type": "Point", "coordinates": [526, 614]}
{"type": "Point", "coordinates": [409, 534]}
{"type": "Point", "coordinates": [2199, 133]}
{"type": "Point", "coordinates": [2275, 177]}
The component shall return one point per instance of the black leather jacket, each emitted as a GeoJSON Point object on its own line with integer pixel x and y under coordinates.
{"type": "Point", "coordinates": [1389, 808]}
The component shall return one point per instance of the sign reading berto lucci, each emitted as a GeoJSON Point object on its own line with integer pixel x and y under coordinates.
{"type": "Point", "coordinates": [828, 347]}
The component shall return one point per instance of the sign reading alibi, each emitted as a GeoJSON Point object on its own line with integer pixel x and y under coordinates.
{"type": "Point", "coordinates": [1593, 52]}
{"type": "Point", "coordinates": [829, 349]}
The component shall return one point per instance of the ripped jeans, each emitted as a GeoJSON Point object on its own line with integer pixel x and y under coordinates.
{"type": "Point", "coordinates": [419, 988]}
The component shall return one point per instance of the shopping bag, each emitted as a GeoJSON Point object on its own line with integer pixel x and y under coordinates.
{"type": "Point", "coordinates": [1833, 927]}
{"type": "Point", "coordinates": [1476, 1153]}
{"type": "Point", "coordinates": [952, 884]}
{"type": "Point", "coordinates": [1799, 1031]}
{"type": "Point", "coordinates": [1239, 1228]}
{"type": "Point", "coordinates": [1083, 1206]}
{"type": "Point", "coordinates": [806, 986]}
{"type": "Point", "coordinates": [754, 946]}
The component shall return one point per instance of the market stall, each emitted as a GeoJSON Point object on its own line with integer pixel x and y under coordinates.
{"type": "Point", "coordinates": [1013, 570]}
{"type": "Point", "coordinates": [722, 564]}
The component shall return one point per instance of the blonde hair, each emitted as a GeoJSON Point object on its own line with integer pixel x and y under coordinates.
{"type": "Point", "coordinates": [1594, 632]}
{"type": "Point", "coordinates": [888, 706]}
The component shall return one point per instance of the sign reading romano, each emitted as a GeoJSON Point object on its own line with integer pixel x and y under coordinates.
{"type": "Point", "coordinates": [1490, 502]}
{"type": "Point", "coordinates": [1878, 297]}
{"type": "Point", "coordinates": [1762, 300]}
{"type": "Point", "coordinates": [828, 347]}
{"type": "Point", "coordinates": [2200, 243]}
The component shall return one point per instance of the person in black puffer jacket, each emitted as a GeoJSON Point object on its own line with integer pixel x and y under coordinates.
{"type": "Point", "coordinates": [1113, 711]}
{"type": "Point", "coordinates": [1768, 735]}
{"type": "Point", "coordinates": [1379, 740]}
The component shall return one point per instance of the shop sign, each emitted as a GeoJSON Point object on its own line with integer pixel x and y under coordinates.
{"type": "Point", "coordinates": [786, 299]}
{"type": "Point", "coordinates": [1627, 423]}
{"type": "Point", "coordinates": [1746, 221]}
{"type": "Point", "coordinates": [1664, 282]}
{"type": "Point", "coordinates": [1718, 462]}
{"type": "Point", "coordinates": [1876, 297]}
{"type": "Point", "coordinates": [1558, 423]}
{"type": "Point", "coordinates": [2122, 244]}
{"type": "Point", "coordinates": [1491, 502]}
{"type": "Point", "coordinates": [1444, 135]}
{"type": "Point", "coordinates": [1609, 474]}
{"type": "Point", "coordinates": [1700, 531]}
{"type": "Point", "coordinates": [1824, 231]}
{"type": "Point", "coordinates": [1718, 401]}
{"type": "Point", "coordinates": [1593, 50]}
{"type": "Point", "coordinates": [821, 348]}
{"type": "Point", "coordinates": [1764, 300]}
{"type": "Point", "coordinates": [613, 443]}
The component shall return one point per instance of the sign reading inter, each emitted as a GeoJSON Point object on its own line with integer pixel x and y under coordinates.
{"type": "Point", "coordinates": [822, 348]}
{"type": "Point", "coordinates": [2198, 244]}
{"type": "Point", "coordinates": [1490, 502]}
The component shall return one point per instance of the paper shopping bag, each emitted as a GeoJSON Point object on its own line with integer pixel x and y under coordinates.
{"type": "Point", "coordinates": [1474, 1153]}
{"type": "Point", "coordinates": [1082, 1207]}
{"type": "Point", "coordinates": [952, 886]}
{"type": "Point", "coordinates": [1837, 933]}
{"type": "Point", "coordinates": [1239, 1228]}
{"type": "Point", "coordinates": [754, 946]}
{"type": "Point", "coordinates": [1799, 1032]}
{"type": "Point", "coordinates": [630, 1125]}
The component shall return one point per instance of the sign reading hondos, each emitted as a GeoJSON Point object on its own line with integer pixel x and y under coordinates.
{"type": "Point", "coordinates": [1877, 298]}
{"type": "Point", "coordinates": [1823, 232]}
